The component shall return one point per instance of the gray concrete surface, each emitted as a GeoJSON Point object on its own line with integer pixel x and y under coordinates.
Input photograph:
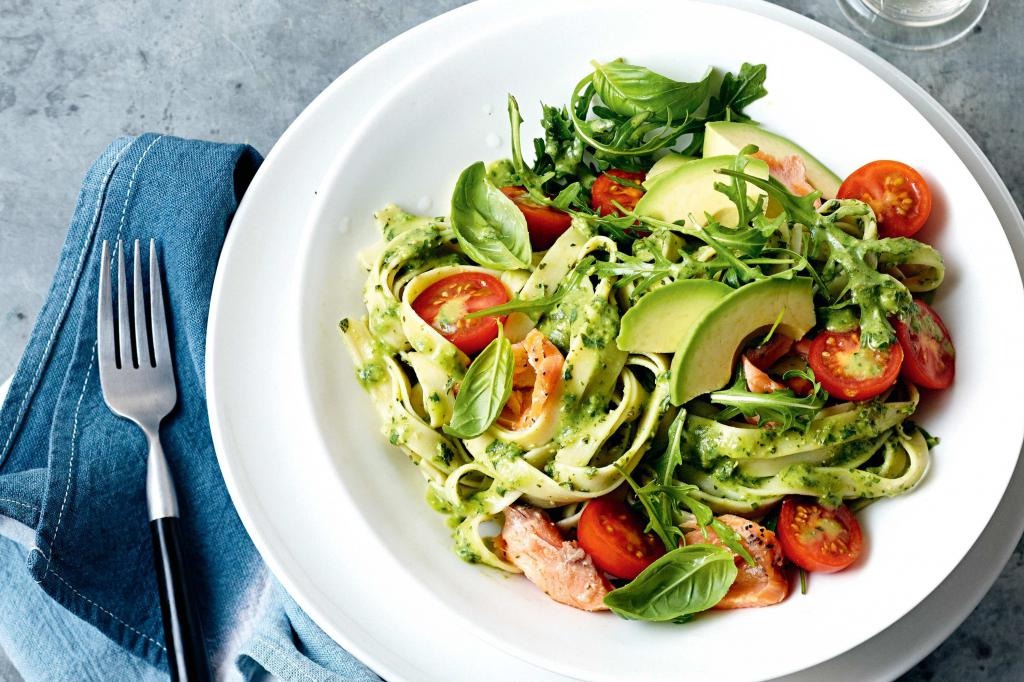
{"type": "Point", "coordinates": [73, 75]}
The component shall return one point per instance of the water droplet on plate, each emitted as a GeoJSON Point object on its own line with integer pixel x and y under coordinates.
{"type": "Point", "coordinates": [488, 109]}
{"type": "Point", "coordinates": [343, 225]}
{"type": "Point", "coordinates": [423, 205]}
{"type": "Point", "coordinates": [493, 141]}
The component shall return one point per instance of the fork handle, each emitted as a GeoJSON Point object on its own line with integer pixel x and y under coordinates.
{"type": "Point", "coordinates": [183, 632]}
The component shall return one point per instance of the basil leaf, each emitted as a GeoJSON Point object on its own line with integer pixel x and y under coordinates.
{"type": "Point", "coordinates": [628, 90]}
{"type": "Point", "coordinates": [484, 390]}
{"type": "Point", "coordinates": [490, 228]}
{"type": "Point", "coordinates": [684, 581]}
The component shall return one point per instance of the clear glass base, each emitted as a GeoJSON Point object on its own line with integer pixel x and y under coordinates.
{"type": "Point", "coordinates": [908, 36]}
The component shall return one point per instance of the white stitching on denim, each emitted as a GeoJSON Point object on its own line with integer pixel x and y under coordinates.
{"type": "Point", "coordinates": [71, 460]}
{"type": "Point", "coordinates": [82, 596]}
{"type": "Point", "coordinates": [20, 504]}
{"type": "Point", "coordinates": [64, 306]}
{"type": "Point", "coordinates": [35, 379]}
{"type": "Point", "coordinates": [74, 434]}
{"type": "Point", "coordinates": [131, 184]}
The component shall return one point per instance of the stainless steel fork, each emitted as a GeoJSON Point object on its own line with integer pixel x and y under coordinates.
{"type": "Point", "coordinates": [138, 384]}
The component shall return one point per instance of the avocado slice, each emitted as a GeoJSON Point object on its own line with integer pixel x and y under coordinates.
{"type": "Point", "coordinates": [670, 161]}
{"type": "Point", "coordinates": [706, 355]}
{"type": "Point", "coordinates": [688, 190]}
{"type": "Point", "coordinates": [726, 137]}
{"type": "Point", "coordinates": [660, 320]}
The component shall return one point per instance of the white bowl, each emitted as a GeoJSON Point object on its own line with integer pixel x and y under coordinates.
{"type": "Point", "coordinates": [444, 115]}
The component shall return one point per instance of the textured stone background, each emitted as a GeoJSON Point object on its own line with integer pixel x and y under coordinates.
{"type": "Point", "coordinates": [73, 75]}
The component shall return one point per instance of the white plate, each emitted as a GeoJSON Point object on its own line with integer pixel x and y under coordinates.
{"type": "Point", "coordinates": [294, 511]}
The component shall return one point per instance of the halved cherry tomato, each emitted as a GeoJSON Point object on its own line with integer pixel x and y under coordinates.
{"type": "Point", "coordinates": [445, 303]}
{"type": "Point", "coordinates": [846, 370]}
{"type": "Point", "coordinates": [546, 224]}
{"type": "Point", "coordinates": [817, 538]}
{"type": "Point", "coordinates": [929, 354]}
{"type": "Point", "coordinates": [614, 538]}
{"type": "Point", "coordinates": [897, 194]}
{"type": "Point", "coordinates": [607, 190]}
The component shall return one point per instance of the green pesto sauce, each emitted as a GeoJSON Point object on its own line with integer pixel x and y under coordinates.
{"type": "Point", "coordinates": [841, 320]}
{"type": "Point", "coordinates": [437, 503]}
{"type": "Point", "coordinates": [445, 454]}
{"type": "Point", "coordinates": [465, 552]}
{"type": "Point", "coordinates": [501, 173]}
{"type": "Point", "coordinates": [500, 451]}
{"type": "Point", "coordinates": [371, 373]}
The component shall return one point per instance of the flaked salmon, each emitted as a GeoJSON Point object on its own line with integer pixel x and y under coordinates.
{"type": "Point", "coordinates": [558, 566]}
{"type": "Point", "coordinates": [535, 381]}
{"type": "Point", "coordinates": [763, 584]}
{"type": "Point", "coordinates": [789, 170]}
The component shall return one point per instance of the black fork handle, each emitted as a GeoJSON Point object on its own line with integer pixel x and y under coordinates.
{"type": "Point", "coordinates": [183, 632]}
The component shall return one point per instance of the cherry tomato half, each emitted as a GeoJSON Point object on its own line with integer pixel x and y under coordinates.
{"type": "Point", "coordinates": [817, 538]}
{"type": "Point", "coordinates": [846, 370]}
{"type": "Point", "coordinates": [897, 194]}
{"type": "Point", "coordinates": [930, 358]}
{"type": "Point", "coordinates": [445, 303]}
{"type": "Point", "coordinates": [614, 538]}
{"type": "Point", "coordinates": [607, 190]}
{"type": "Point", "coordinates": [546, 224]}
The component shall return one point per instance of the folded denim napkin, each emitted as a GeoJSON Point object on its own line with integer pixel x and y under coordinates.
{"type": "Point", "coordinates": [72, 474]}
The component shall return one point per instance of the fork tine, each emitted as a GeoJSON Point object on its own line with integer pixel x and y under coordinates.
{"type": "Point", "coordinates": [161, 343]}
{"type": "Point", "coordinates": [105, 314]}
{"type": "Point", "coordinates": [141, 332]}
{"type": "Point", "coordinates": [124, 326]}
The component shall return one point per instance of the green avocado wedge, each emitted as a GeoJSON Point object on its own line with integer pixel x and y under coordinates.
{"type": "Point", "coordinates": [706, 355]}
{"type": "Point", "coordinates": [725, 137]}
{"type": "Point", "coordinates": [669, 162]}
{"type": "Point", "coordinates": [660, 320]}
{"type": "Point", "coordinates": [687, 192]}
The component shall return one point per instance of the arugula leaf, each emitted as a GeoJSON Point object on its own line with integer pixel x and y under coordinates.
{"type": "Point", "coordinates": [783, 408]}
{"type": "Point", "coordinates": [737, 91]}
{"type": "Point", "coordinates": [485, 389]}
{"type": "Point", "coordinates": [644, 274]}
{"type": "Point", "coordinates": [878, 295]}
{"type": "Point", "coordinates": [742, 271]}
{"type": "Point", "coordinates": [629, 89]}
{"type": "Point", "coordinates": [683, 493]}
{"type": "Point", "coordinates": [737, 190]}
{"type": "Point", "coordinates": [567, 196]}
{"type": "Point", "coordinates": [746, 241]}
{"type": "Point", "coordinates": [561, 151]}
{"type": "Point", "coordinates": [665, 466]}
{"type": "Point", "coordinates": [490, 228]}
{"type": "Point", "coordinates": [541, 303]}
{"type": "Point", "coordinates": [660, 513]}
{"type": "Point", "coordinates": [684, 581]}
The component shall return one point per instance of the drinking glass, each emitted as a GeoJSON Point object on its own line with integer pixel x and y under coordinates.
{"type": "Point", "coordinates": [914, 24]}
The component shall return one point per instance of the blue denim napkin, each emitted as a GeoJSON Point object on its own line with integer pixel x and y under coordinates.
{"type": "Point", "coordinates": [78, 595]}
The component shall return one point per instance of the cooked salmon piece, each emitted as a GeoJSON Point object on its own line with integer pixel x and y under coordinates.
{"type": "Point", "coordinates": [766, 355]}
{"type": "Point", "coordinates": [535, 381]}
{"type": "Point", "coordinates": [763, 584]}
{"type": "Point", "coordinates": [789, 170]}
{"type": "Point", "coordinates": [566, 573]}
{"type": "Point", "coordinates": [758, 381]}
